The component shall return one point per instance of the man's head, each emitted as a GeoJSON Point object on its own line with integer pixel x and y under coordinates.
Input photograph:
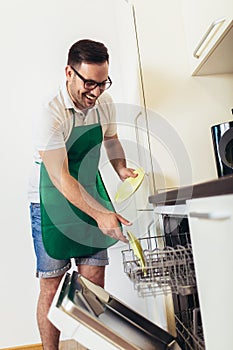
{"type": "Point", "coordinates": [87, 72]}
{"type": "Point", "coordinates": [87, 51]}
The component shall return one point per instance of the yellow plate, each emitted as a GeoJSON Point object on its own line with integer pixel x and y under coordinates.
{"type": "Point", "coordinates": [129, 186]}
{"type": "Point", "coordinates": [137, 249]}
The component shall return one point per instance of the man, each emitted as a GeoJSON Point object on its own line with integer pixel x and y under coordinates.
{"type": "Point", "coordinates": [71, 214]}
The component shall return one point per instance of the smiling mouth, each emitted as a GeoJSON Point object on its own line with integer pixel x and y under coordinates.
{"type": "Point", "coordinates": [91, 98]}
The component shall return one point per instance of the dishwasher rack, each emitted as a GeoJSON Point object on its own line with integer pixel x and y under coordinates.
{"type": "Point", "coordinates": [167, 269]}
{"type": "Point", "coordinates": [189, 330]}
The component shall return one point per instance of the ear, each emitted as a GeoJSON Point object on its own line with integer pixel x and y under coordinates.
{"type": "Point", "coordinates": [69, 72]}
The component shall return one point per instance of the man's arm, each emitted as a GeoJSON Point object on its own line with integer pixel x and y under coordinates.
{"type": "Point", "coordinates": [116, 155]}
{"type": "Point", "coordinates": [56, 164]}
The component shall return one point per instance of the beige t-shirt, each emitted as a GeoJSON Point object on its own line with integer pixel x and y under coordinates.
{"type": "Point", "coordinates": [54, 124]}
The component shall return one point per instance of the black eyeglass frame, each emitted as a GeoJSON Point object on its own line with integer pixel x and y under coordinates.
{"type": "Point", "coordinates": [101, 85]}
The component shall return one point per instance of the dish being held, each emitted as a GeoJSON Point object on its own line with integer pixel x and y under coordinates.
{"type": "Point", "coordinates": [129, 186]}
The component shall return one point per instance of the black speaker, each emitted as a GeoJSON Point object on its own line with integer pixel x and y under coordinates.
{"type": "Point", "coordinates": [222, 135]}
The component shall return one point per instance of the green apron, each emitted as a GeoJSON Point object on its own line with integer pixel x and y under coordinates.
{"type": "Point", "coordinates": [66, 230]}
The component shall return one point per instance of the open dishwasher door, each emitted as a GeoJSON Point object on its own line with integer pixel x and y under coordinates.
{"type": "Point", "coordinates": [88, 314]}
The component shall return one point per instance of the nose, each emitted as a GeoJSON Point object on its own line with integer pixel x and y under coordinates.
{"type": "Point", "coordinates": [96, 91]}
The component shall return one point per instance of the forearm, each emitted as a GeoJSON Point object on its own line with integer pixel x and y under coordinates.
{"type": "Point", "coordinates": [56, 163]}
{"type": "Point", "coordinates": [117, 158]}
{"type": "Point", "coordinates": [115, 152]}
{"type": "Point", "coordinates": [118, 164]}
{"type": "Point", "coordinates": [108, 222]}
{"type": "Point", "coordinates": [78, 196]}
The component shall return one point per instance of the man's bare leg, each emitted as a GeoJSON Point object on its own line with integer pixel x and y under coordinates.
{"type": "Point", "coordinates": [48, 287]}
{"type": "Point", "coordinates": [48, 332]}
{"type": "Point", "coordinates": [94, 274]}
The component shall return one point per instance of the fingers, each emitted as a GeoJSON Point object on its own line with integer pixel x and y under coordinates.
{"type": "Point", "coordinates": [116, 234]}
{"type": "Point", "coordinates": [121, 237]}
{"type": "Point", "coordinates": [109, 225]}
{"type": "Point", "coordinates": [123, 220]}
{"type": "Point", "coordinates": [124, 173]}
{"type": "Point", "coordinates": [124, 239]}
{"type": "Point", "coordinates": [132, 172]}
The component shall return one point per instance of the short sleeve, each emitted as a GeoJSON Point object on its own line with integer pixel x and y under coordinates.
{"type": "Point", "coordinates": [50, 128]}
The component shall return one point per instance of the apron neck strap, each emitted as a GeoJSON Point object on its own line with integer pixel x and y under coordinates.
{"type": "Point", "coordinates": [98, 116]}
{"type": "Point", "coordinates": [73, 112]}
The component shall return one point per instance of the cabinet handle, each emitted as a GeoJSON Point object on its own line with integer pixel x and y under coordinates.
{"type": "Point", "coordinates": [205, 36]}
{"type": "Point", "coordinates": [211, 216]}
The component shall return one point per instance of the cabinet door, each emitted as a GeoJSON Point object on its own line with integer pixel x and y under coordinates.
{"type": "Point", "coordinates": [209, 32]}
{"type": "Point", "coordinates": [211, 228]}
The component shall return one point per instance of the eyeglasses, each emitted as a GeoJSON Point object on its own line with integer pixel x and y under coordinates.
{"type": "Point", "coordinates": [91, 84]}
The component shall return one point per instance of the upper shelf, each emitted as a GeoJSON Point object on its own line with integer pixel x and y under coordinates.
{"type": "Point", "coordinates": [219, 59]}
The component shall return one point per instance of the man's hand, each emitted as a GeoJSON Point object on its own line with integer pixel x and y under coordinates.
{"type": "Point", "coordinates": [108, 223]}
{"type": "Point", "coordinates": [124, 173]}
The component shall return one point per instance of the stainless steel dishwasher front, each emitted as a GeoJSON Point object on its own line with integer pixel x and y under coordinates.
{"type": "Point", "coordinates": [87, 313]}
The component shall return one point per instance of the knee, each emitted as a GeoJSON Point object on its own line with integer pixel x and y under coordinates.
{"type": "Point", "coordinates": [94, 274]}
{"type": "Point", "coordinates": [48, 286]}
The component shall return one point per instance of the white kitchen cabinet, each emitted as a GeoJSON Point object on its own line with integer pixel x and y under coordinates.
{"type": "Point", "coordinates": [211, 228]}
{"type": "Point", "coordinates": [209, 34]}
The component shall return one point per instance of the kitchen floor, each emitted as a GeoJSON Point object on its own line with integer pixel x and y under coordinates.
{"type": "Point", "coordinates": [71, 345]}
{"type": "Point", "coordinates": [64, 345]}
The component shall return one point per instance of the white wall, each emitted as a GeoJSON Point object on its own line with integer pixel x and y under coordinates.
{"type": "Point", "coordinates": [35, 37]}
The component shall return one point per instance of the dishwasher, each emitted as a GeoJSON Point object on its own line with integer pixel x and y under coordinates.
{"type": "Point", "coordinates": [169, 270]}
{"type": "Point", "coordinates": [96, 319]}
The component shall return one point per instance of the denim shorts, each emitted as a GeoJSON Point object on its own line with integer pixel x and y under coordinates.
{"type": "Point", "coordinates": [46, 266]}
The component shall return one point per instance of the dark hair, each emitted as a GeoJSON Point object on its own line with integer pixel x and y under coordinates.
{"type": "Point", "coordinates": [87, 51]}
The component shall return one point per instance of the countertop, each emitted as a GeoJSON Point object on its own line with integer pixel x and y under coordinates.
{"type": "Point", "coordinates": [216, 187]}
